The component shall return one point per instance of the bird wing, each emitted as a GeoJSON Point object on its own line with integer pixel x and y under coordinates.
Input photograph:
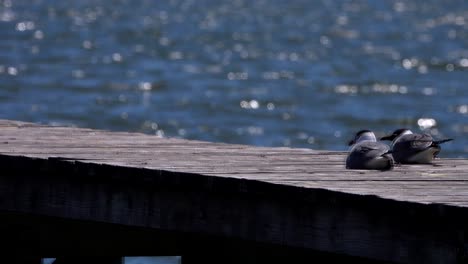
{"type": "Point", "coordinates": [368, 155]}
{"type": "Point", "coordinates": [369, 150]}
{"type": "Point", "coordinates": [413, 143]}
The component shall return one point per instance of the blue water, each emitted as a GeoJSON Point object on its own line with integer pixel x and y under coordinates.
{"type": "Point", "coordinates": [300, 73]}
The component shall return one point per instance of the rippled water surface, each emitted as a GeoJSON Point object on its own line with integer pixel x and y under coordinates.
{"type": "Point", "coordinates": [297, 73]}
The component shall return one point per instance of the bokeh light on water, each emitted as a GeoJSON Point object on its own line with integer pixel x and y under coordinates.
{"type": "Point", "coordinates": [271, 73]}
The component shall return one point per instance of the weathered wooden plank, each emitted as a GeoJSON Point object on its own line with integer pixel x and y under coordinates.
{"type": "Point", "coordinates": [196, 155]}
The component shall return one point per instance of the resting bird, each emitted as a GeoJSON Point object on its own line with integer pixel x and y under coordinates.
{"type": "Point", "coordinates": [368, 154]}
{"type": "Point", "coordinates": [409, 148]}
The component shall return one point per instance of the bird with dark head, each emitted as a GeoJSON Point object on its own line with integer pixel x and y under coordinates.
{"type": "Point", "coordinates": [368, 154]}
{"type": "Point", "coordinates": [413, 148]}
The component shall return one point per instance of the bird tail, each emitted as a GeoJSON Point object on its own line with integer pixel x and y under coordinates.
{"type": "Point", "coordinates": [437, 142]}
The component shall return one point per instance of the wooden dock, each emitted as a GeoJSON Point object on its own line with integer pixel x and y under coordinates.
{"type": "Point", "coordinates": [72, 193]}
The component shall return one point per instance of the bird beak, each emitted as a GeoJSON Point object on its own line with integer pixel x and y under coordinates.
{"type": "Point", "coordinates": [351, 142]}
{"type": "Point", "coordinates": [386, 138]}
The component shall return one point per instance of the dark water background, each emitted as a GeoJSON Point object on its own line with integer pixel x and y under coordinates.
{"type": "Point", "coordinates": [300, 73]}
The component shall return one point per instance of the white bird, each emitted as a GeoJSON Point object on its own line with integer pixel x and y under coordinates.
{"type": "Point", "coordinates": [410, 148]}
{"type": "Point", "coordinates": [368, 154]}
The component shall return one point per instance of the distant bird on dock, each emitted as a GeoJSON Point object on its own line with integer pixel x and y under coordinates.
{"type": "Point", "coordinates": [368, 154]}
{"type": "Point", "coordinates": [411, 148]}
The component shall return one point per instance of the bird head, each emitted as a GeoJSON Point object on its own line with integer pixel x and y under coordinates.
{"type": "Point", "coordinates": [362, 135]}
{"type": "Point", "coordinates": [397, 133]}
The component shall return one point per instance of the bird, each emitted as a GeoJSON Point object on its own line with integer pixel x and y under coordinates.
{"type": "Point", "coordinates": [413, 148]}
{"type": "Point", "coordinates": [368, 154]}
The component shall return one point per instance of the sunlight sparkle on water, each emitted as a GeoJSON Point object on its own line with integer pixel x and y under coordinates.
{"type": "Point", "coordinates": [425, 123]}
{"type": "Point", "coordinates": [38, 34]}
{"type": "Point", "coordinates": [25, 25]}
{"type": "Point", "coordinates": [237, 76]}
{"type": "Point", "coordinates": [78, 74]}
{"type": "Point", "coordinates": [389, 88]}
{"type": "Point", "coordinates": [252, 104]}
{"type": "Point", "coordinates": [428, 91]}
{"type": "Point", "coordinates": [12, 70]}
{"type": "Point", "coordinates": [464, 62]}
{"type": "Point", "coordinates": [409, 63]}
{"type": "Point", "coordinates": [422, 69]}
{"type": "Point", "coordinates": [462, 109]}
{"type": "Point", "coordinates": [87, 44]}
{"type": "Point", "coordinates": [117, 57]}
{"type": "Point", "coordinates": [271, 106]}
{"type": "Point", "coordinates": [145, 86]}
{"type": "Point", "coordinates": [160, 133]}
{"type": "Point", "coordinates": [346, 89]}
{"type": "Point", "coordinates": [176, 55]}
{"type": "Point", "coordinates": [449, 67]}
